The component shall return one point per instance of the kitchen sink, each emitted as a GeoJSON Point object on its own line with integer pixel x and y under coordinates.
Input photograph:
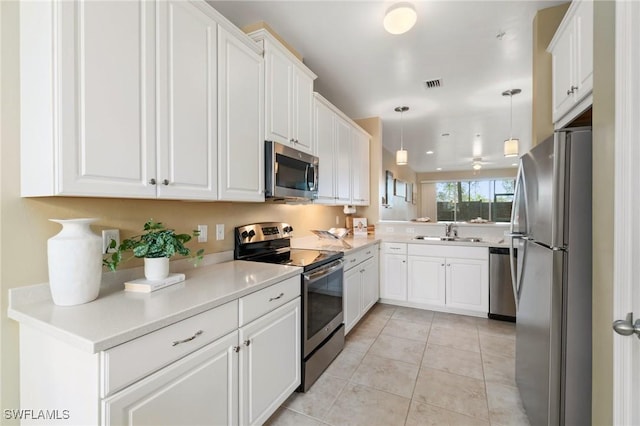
{"type": "Point", "coordinates": [458, 239]}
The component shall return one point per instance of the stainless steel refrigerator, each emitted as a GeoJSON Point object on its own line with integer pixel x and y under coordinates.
{"type": "Point", "coordinates": [551, 230]}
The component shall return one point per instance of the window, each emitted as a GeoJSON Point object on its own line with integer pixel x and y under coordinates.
{"type": "Point", "coordinates": [466, 200]}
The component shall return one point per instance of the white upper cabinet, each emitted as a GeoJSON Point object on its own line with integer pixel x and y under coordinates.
{"type": "Point", "coordinates": [120, 99]}
{"type": "Point", "coordinates": [241, 118]}
{"type": "Point", "coordinates": [187, 102]}
{"type": "Point", "coordinates": [288, 95]}
{"type": "Point", "coordinates": [343, 151]}
{"type": "Point", "coordinates": [360, 167]}
{"type": "Point", "coordinates": [88, 98]}
{"type": "Point", "coordinates": [572, 62]}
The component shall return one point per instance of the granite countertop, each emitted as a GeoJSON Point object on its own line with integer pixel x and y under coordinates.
{"type": "Point", "coordinates": [117, 316]}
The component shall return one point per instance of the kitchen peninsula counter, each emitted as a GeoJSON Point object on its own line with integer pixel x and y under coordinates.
{"type": "Point", "coordinates": [117, 316]}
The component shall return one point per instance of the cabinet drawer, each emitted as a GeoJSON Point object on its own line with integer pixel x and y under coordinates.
{"type": "Point", "coordinates": [265, 300]}
{"type": "Point", "coordinates": [129, 362]}
{"type": "Point", "coordinates": [358, 257]}
{"type": "Point", "coordinates": [394, 248]}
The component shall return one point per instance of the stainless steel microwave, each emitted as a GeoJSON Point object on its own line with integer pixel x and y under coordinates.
{"type": "Point", "coordinates": [290, 174]}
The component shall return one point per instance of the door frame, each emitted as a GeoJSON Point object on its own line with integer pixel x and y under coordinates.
{"type": "Point", "coordinates": [626, 293]}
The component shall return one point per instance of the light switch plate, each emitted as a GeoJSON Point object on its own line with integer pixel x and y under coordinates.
{"type": "Point", "coordinates": [220, 231]}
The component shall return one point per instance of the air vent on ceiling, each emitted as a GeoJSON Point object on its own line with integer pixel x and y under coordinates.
{"type": "Point", "coordinates": [432, 84]}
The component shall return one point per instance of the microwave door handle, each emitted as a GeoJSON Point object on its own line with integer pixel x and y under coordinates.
{"type": "Point", "coordinates": [311, 186]}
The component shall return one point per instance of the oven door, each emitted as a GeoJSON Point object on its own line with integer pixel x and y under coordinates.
{"type": "Point", "coordinates": [322, 298]}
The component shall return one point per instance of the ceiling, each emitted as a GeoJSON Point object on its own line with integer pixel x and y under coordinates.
{"type": "Point", "coordinates": [367, 72]}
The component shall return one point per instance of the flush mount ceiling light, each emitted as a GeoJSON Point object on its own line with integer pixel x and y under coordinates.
{"type": "Point", "coordinates": [477, 163]}
{"type": "Point", "coordinates": [401, 155]}
{"type": "Point", "coordinates": [400, 18]}
{"type": "Point", "coordinates": [429, 152]}
{"type": "Point", "coordinates": [511, 144]}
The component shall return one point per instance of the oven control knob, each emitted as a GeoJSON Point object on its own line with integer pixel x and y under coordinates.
{"type": "Point", "coordinates": [287, 229]}
{"type": "Point", "coordinates": [252, 234]}
{"type": "Point", "coordinates": [244, 234]}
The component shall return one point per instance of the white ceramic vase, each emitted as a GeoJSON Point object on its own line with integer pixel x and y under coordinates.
{"type": "Point", "coordinates": [156, 268]}
{"type": "Point", "coordinates": [75, 262]}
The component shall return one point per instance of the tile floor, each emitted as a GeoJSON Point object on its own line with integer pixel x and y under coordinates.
{"type": "Point", "coordinates": [404, 366]}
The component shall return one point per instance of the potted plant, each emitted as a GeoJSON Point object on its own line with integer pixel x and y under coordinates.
{"type": "Point", "coordinates": [156, 246]}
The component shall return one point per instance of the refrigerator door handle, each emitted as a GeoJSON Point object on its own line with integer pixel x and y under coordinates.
{"type": "Point", "coordinates": [513, 263]}
{"type": "Point", "coordinates": [560, 152]}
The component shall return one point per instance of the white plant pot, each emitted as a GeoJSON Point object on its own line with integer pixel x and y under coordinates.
{"type": "Point", "coordinates": [75, 262]}
{"type": "Point", "coordinates": [156, 268]}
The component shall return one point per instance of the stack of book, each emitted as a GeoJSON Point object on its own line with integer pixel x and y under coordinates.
{"type": "Point", "coordinates": [143, 285]}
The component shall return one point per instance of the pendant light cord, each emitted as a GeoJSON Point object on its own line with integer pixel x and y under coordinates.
{"type": "Point", "coordinates": [511, 116]}
{"type": "Point", "coordinates": [401, 132]}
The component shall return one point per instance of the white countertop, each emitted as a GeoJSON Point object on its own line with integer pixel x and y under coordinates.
{"type": "Point", "coordinates": [117, 316]}
{"type": "Point", "coordinates": [357, 243]}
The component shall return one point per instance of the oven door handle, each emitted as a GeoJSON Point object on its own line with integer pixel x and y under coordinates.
{"type": "Point", "coordinates": [325, 270]}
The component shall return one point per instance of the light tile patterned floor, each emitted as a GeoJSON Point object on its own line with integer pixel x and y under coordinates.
{"type": "Point", "coordinates": [404, 366]}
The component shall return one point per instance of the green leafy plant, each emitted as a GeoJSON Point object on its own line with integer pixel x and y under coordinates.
{"type": "Point", "coordinates": [157, 241]}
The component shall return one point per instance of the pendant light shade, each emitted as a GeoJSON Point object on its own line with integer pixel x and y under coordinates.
{"type": "Point", "coordinates": [400, 18]}
{"type": "Point", "coordinates": [402, 156]}
{"type": "Point", "coordinates": [511, 144]}
{"type": "Point", "coordinates": [511, 147]}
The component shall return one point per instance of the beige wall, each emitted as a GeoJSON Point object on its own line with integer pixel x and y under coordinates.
{"type": "Point", "coordinates": [25, 229]}
{"type": "Point", "coordinates": [603, 228]}
{"type": "Point", "coordinates": [400, 209]}
{"type": "Point", "coordinates": [545, 24]}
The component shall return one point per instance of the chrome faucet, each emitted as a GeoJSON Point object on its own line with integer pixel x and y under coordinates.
{"type": "Point", "coordinates": [449, 228]}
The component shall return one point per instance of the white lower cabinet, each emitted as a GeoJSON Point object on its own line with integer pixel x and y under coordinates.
{"type": "Point", "coordinates": [200, 389]}
{"type": "Point", "coordinates": [426, 280]}
{"type": "Point", "coordinates": [361, 285]}
{"type": "Point", "coordinates": [455, 278]}
{"type": "Point", "coordinates": [233, 364]}
{"type": "Point", "coordinates": [269, 362]}
{"type": "Point", "coordinates": [393, 282]}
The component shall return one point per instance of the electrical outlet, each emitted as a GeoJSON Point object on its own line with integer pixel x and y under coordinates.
{"type": "Point", "coordinates": [410, 230]}
{"type": "Point", "coordinates": [109, 235]}
{"type": "Point", "coordinates": [202, 236]}
{"type": "Point", "coordinates": [220, 231]}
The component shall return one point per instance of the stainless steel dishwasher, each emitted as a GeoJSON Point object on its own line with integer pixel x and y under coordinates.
{"type": "Point", "coordinates": [502, 305]}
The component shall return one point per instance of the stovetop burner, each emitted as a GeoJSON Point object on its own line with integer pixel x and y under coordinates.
{"type": "Point", "coordinates": [270, 242]}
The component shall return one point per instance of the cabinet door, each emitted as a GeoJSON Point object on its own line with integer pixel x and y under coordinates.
{"type": "Point", "coordinates": [279, 83]}
{"type": "Point", "coordinates": [584, 49]}
{"type": "Point", "coordinates": [563, 73]}
{"type": "Point", "coordinates": [302, 109]}
{"type": "Point", "coordinates": [468, 284]}
{"type": "Point", "coordinates": [393, 283]}
{"type": "Point", "coordinates": [106, 70]}
{"type": "Point", "coordinates": [200, 389]}
{"type": "Point", "coordinates": [370, 284]}
{"type": "Point", "coordinates": [352, 297]}
{"type": "Point", "coordinates": [324, 142]}
{"type": "Point", "coordinates": [343, 163]}
{"type": "Point", "coordinates": [270, 358]}
{"type": "Point", "coordinates": [187, 102]}
{"type": "Point", "coordinates": [426, 280]}
{"type": "Point", "coordinates": [240, 124]}
{"type": "Point", "coordinates": [360, 167]}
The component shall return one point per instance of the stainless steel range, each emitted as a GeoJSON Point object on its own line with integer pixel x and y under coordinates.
{"type": "Point", "coordinates": [321, 285]}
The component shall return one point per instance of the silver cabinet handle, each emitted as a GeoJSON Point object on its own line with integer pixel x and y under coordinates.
{"type": "Point", "coordinates": [165, 182]}
{"type": "Point", "coordinates": [236, 349]}
{"type": "Point", "coordinates": [369, 252]}
{"type": "Point", "coordinates": [352, 261]}
{"type": "Point", "coordinates": [442, 264]}
{"type": "Point", "coordinates": [152, 181]}
{"type": "Point", "coordinates": [247, 342]}
{"type": "Point", "coordinates": [572, 90]}
{"type": "Point", "coordinates": [276, 298]}
{"type": "Point", "coordinates": [627, 327]}
{"type": "Point", "coordinates": [188, 339]}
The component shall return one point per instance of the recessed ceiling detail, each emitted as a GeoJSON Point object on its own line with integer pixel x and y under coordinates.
{"type": "Point", "coordinates": [432, 84]}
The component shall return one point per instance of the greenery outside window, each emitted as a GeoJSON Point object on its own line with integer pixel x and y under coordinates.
{"type": "Point", "coordinates": [466, 200]}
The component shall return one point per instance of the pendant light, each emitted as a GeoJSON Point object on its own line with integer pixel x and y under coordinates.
{"type": "Point", "coordinates": [401, 155]}
{"type": "Point", "coordinates": [400, 18]}
{"type": "Point", "coordinates": [511, 144]}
